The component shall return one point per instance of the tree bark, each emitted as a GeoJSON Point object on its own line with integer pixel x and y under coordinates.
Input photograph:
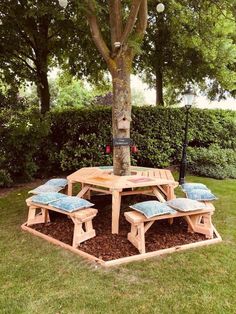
{"type": "Point", "coordinates": [44, 93]}
{"type": "Point", "coordinates": [159, 86]}
{"type": "Point", "coordinates": [119, 61]}
{"type": "Point", "coordinates": [121, 104]}
{"type": "Point", "coordinates": [43, 86]}
{"type": "Point", "coordinates": [159, 59]}
{"type": "Point", "coordinates": [41, 55]}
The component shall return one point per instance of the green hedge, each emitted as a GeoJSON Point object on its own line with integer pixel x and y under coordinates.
{"type": "Point", "coordinates": [32, 145]}
{"type": "Point", "coordinates": [212, 162]}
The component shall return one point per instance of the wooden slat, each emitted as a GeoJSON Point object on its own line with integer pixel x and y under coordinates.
{"type": "Point", "coordinates": [63, 245]}
{"type": "Point", "coordinates": [97, 179]}
{"type": "Point", "coordinates": [145, 256]}
{"type": "Point", "coordinates": [137, 217]}
{"type": "Point", "coordinates": [83, 191]}
{"type": "Point", "coordinates": [123, 260]}
{"type": "Point", "coordinates": [116, 200]}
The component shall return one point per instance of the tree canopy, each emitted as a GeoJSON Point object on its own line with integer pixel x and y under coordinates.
{"type": "Point", "coordinates": [191, 41]}
{"type": "Point", "coordinates": [37, 35]}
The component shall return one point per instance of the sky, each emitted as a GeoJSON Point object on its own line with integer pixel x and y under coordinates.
{"type": "Point", "coordinates": [150, 95]}
{"type": "Point", "coordinates": [200, 101]}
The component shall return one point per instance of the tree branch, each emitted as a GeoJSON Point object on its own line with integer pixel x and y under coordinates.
{"type": "Point", "coordinates": [28, 56]}
{"type": "Point", "coordinates": [115, 21]}
{"type": "Point", "coordinates": [131, 20]}
{"type": "Point", "coordinates": [142, 19]}
{"type": "Point", "coordinates": [96, 33]}
{"type": "Point", "coordinates": [25, 62]}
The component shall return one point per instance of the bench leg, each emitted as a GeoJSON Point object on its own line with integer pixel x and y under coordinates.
{"type": "Point", "coordinates": [171, 221]}
{"type": "Point", "coordinates": [37, 218]}
{"type": "Point", "coordinates": [85, 192]}
{"type": "Point", "coordinates": [116, 202]}
{"type": "Point", "coordinates": [200, 223]}
{"type": "Point", "coordinates": [81, 233]}
{"type": "Point", "coordinates": [137, 237]}
{"type": "Point", "coordinates": [141, 238]}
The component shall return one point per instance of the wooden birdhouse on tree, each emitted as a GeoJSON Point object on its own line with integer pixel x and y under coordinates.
{"type": "Point", "coordinates": [123, 121]}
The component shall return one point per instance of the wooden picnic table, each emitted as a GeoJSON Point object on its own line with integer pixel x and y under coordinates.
{"type": "Point", "coordinates": [158, 182]}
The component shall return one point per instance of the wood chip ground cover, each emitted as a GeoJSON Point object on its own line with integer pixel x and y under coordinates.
{"type": "Point", "coordinates": [109, 246]}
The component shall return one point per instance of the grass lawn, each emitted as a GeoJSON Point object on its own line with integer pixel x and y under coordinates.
{"type": "Point", "coordinates": [37, 277]}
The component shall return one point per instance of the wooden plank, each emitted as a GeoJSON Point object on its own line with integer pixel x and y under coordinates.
{"type": "Point", "coordinates": [136, 192]}
{"type": "Point", "coordinates": [135, 217]}
{"type": "Point", "coordinates": [83, 191]}
{"type": "Point", "coordinates": [145, 256]}
{"type": "Point", "coordinates": [81, 213]}
{"type": "Point", "coordinates": [70, 188]}
{"type": "Point", "coordinates": [141, 238]}
{"type": "Point", "coordinates": [148, 225]}
{"type": "Point", "coordinates": [158, 194]}
{"type": "Point", "coordinates": [98, 179]}
{"type": "Point", "coordinates": [100, 190]}
{"type": "Point", "coordinates": [63, 245]}
{"type": "Point", "coordinates": [116, 202]}
{"type": "Point", "coordinates": [123, 260]}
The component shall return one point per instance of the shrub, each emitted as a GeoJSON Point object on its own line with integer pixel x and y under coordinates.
{"type": "Point", "coordinates": [22, 135]}
{"type": "Point", "coordinates": [68, 139]}
{"type": "Point", "coordinates": [213, 162]}
{"type": "Point", "coordinates": [5, 178]}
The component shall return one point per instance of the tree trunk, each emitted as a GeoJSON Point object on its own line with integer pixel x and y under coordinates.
{"type": "Point", "coordinates": [43, 86]}
{"type": "Point", "coordinates": [44, 93]}
{"type": "Point", "coordinates": [121, 105]}
{"type": "Point", "coordinates": [119, 61]}
{"type": "Point", "coordinates": [159, 39]}
{"type": "Point", "coordinates": [159, 86]}
{"type": "Point", "coordinates": [41, 52]}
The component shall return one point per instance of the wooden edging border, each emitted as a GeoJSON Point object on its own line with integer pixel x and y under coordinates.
{"type": "Point", "coordinates": [127, 259]}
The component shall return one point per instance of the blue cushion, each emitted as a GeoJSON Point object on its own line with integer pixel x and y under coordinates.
{"type": "Point", "coordinates": [57, 182]}
{"type": "Point", "coordinates": [71, 203]}
{"type": "Point", "coordinates": [47, 198]}
{"type": "Point", "coordinates": [193, 186]}
{"type": "Point", "coordinates": [185, 204]}
{"type": "Point", "coordinates": [153, 208]}
{"type": "Point", "coordinates": [45, 189]}
{"type": "Point", "coordinates": [201, 195]}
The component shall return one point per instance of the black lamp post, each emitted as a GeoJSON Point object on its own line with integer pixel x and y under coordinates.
{"type": "Point", "coordinates": [188, 96]}
{"type": "Point", "coordinates": [159, 53]}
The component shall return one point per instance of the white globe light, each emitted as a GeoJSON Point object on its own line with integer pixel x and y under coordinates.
{"type": "Point", "coordinates": [63, 3]}
{"type": "Point", "coordinates": [188, 97]}
{"type": "Point", "coordinates": [160, 7]}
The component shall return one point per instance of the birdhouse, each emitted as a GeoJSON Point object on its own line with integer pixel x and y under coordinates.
{"type": "Point", "coordinates": [123, 121]}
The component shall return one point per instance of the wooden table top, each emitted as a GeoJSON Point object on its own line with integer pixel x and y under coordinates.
{"type": "Point", "coordinates": [140, 177]}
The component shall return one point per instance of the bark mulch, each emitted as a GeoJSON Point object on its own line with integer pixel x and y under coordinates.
{"type": "Point", "coordinates": [109, 246]}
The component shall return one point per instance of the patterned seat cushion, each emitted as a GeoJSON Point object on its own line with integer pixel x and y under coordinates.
{"type": "Point", "coordinates": [47, 198]}
{"type": "Point", "coordinates": [57, 182]}
{"type": "Point", "coordinates": [193, 186]}
{"type": "Point", "coordinates": [45, 188]}
{"type": "Point", "coordinates": [201, 195]}
{"type": "Point", "coordinates": [71, 203]}
{"type": "Point", "coordinates": [153, 208]}
{"type": "Point", "coordinates": [185, 204]}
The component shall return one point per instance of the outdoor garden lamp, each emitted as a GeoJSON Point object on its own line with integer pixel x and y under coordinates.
{"type": "Point", "coordinates": [160, 7]}
{"type": "Point", "coordinates": [188, 97]}
{"type": "Point", "coordinates": [63, 3]}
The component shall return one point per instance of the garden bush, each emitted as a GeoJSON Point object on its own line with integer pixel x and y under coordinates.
{"type": "Point", "coordinates": [5, 178]}
{"type": "Point", "coordinates": [21, 137]}
{"type": "Point", "coordinates": [67, 139]}
{"type": "Point", "coordinates": [213, 162]}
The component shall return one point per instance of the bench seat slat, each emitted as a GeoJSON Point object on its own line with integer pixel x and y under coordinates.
{"type": "Point", "coordinates": [136, 217]}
